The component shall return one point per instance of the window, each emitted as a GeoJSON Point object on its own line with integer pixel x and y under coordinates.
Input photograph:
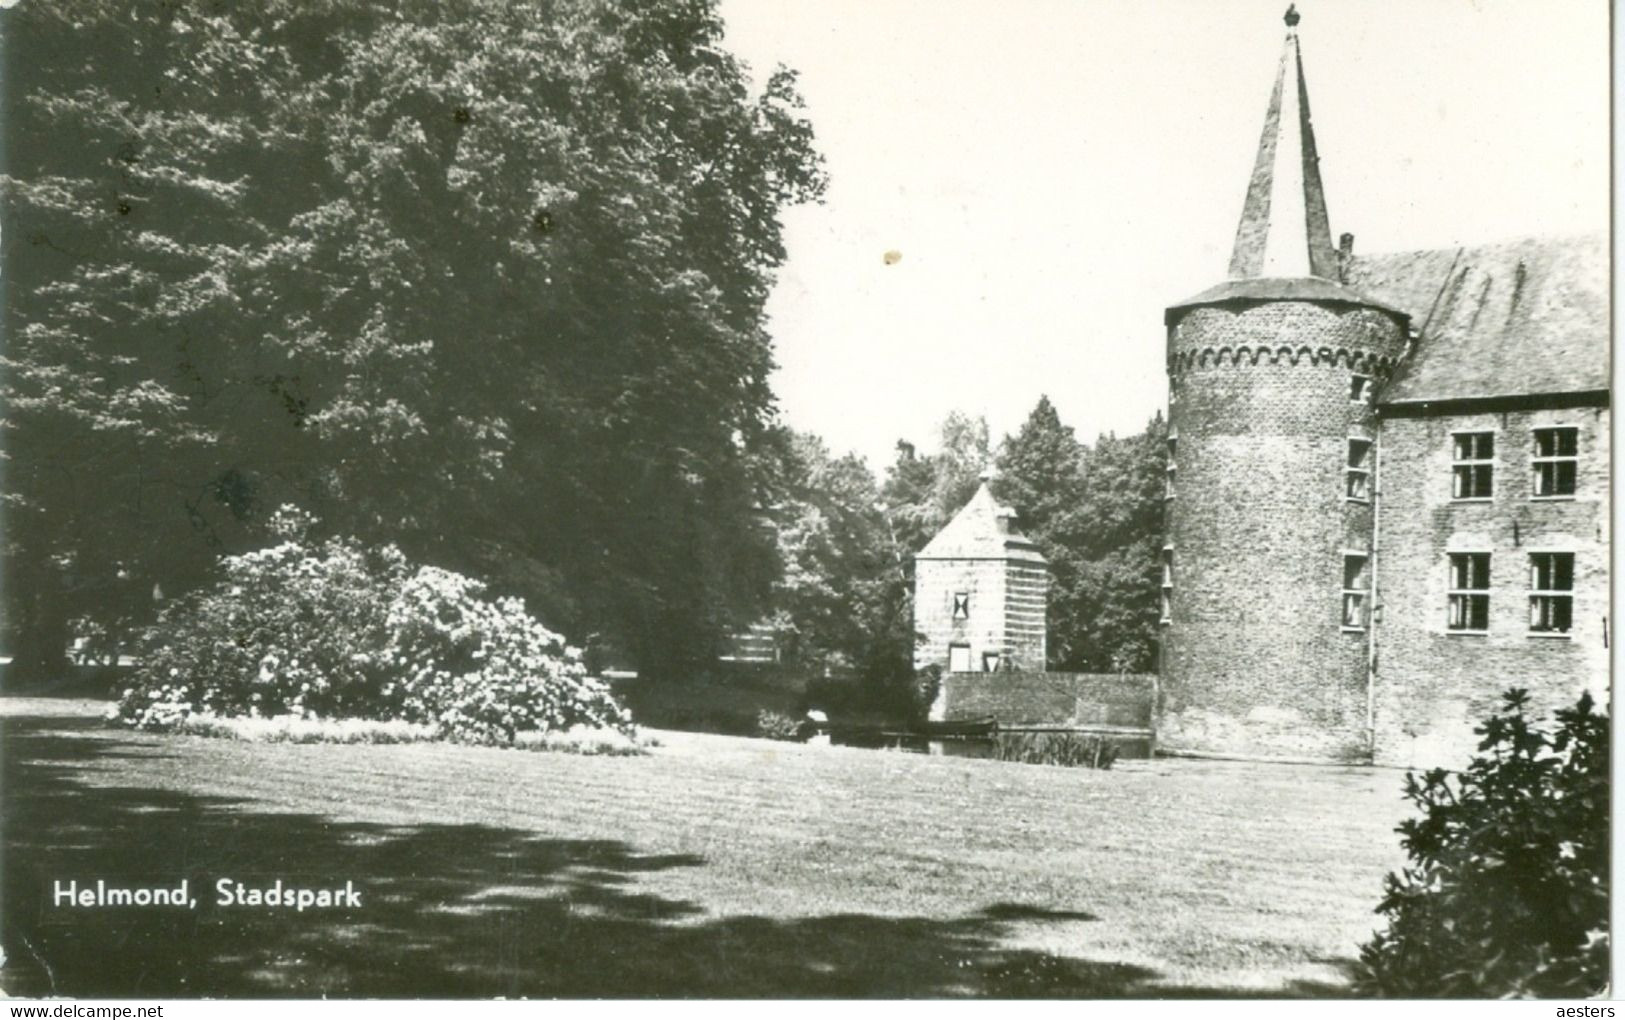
{"type": "Point", "coordinates": [961, 605]}
{"type": "Point", "coordinates": [1167, 585]}
{"type": "Point", "coordinates": [1168, 474]}
{"type": "Point", "coordinates": [1358, 475]}
{"type": "Point", "coordinates": [1360, 389]}
{"type": "Point", "coordinates": [959, 659]}
{"type": "Point", "coordinates": [1473, 465]}
{"type": "Point", "coordinates": [1356, 587]}
{"type": "Point", "coordinates": [1551, 593]}
{"type": "Point", "coordinates": [1555, 462]}
{"type": "Point", "coordinates": [1469, 592]}
{"type": "Point", "coordinates": [991, 661]}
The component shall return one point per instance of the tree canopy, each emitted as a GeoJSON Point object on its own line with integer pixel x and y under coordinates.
{"type": "Point", "coordinates": [1096, 512]}
{"type": "Point", "coordinates": [924, 491]}
{"type": "Point", "coordinates": [843, 601]}
{"type": "Point", "coordinates": [484, 278]}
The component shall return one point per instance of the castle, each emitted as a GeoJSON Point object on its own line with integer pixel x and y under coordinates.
{"type": "Point", "coordinates": [1387, 482]}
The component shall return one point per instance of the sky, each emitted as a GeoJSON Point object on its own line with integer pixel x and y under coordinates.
{"type": "Point", "coordinates": [1054, 173]}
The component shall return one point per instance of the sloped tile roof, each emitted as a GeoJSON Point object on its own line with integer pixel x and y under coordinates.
{"type": "Point", "coordinates": [1301, 288]}
{"type": "Point", "coordinates": [1522, 318]}
{"type": "Point", "coordinates": [982, 530]}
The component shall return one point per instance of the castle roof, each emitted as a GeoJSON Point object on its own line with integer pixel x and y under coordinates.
{"type": "Point", "coordinates": [1283, 230]}
{"type": "Point", "coordinates": [1522, 318]}
{"type": "Point", "coordinates": [982, 530]}
{"type": "Point", "coordinates": [1304, 288]}
{"type": "Point", "coordinates": [1283, 249]}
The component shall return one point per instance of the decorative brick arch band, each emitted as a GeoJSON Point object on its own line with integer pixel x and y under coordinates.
{"type": "Point", "coordinates": [1355, 360]}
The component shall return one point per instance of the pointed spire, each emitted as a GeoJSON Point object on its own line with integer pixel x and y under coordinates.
{"type": "Point", "coordinates": [1284, 231]}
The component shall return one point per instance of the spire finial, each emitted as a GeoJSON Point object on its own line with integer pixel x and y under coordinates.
{"type": "Point", "coordinates": [1292, 16]}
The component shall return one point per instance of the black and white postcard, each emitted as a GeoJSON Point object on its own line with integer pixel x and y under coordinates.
{"type": "Point", "coordinates": [772, 499]}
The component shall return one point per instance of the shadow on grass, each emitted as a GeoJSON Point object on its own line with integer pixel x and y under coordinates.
{"type": "Point", "coordinates": [448, 910]}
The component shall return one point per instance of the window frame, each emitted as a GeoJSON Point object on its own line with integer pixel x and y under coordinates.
{"type": "Point", "coordinates": [970, 661]}
{"type": "Point", "coordinates": [1452, 592]}
{"type": "Point", "coordinates": [1457, 463]}
{"type": "Point", "coordinates": [1167, 589]}
{"type": "Point", "coordinates": [1552, 594]}
{"type": "Point", "coordinates": [1171, 469]}
{"type": "Point", "coordinates": [1362, 594]}
{"type": "Point", "coordinates": [1363, 470]}
{"type": "Point", "coordinates": [955, 600]}
{"type": "Point", "coordinates": [1536, 461]}
{"type": "Point", "coordinates": [1360, 388]}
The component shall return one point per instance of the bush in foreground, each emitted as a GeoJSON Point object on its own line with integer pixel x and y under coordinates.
{"type": "Point", "coordinates": [1507, 890]}
{"type": "Point", "coordinates": [336, 630]}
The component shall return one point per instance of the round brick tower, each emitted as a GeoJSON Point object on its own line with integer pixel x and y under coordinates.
{"type": "Point", "coordinates": [1271, 474]}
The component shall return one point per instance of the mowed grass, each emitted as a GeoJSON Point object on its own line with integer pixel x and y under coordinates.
{"type": "Point", "coordinates": [715, 866]}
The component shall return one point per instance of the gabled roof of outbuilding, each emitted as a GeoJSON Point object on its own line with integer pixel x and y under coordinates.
{"type": "Point", "coordinates": [1525, 317]}
{"type": "Point", "coordinates": [982, 530]}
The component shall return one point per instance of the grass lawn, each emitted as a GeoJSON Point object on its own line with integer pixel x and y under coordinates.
{"type": "Point", "coordinates": [716, 866]}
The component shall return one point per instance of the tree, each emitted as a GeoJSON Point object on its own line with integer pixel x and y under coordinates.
{"type": "Point", "coordinates": [483, 278]}
{"type": "Point", "coordinates": [1118, 530]}
{"type": "Point", "coordinates": [1040, 470]}
{"type": "Point", "coordinates": [1040, 474]}
{"type": "Point", "coordinates": [843, 599]}
{"type": "Point", "coordinates": [922, 493]}
{"type": "Point", "coordinates": [1096, 514]}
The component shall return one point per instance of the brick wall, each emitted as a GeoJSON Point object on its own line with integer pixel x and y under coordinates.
{"type": "Point", "coordinates": [1026, 608]}
{"type": "Point", "coordinates": [1083, 700]}
{"type": "Point", "coordinates": [1433, 685]}
{"type": "Point", "coordinates": [935, 582]}
{"type": "Point", "coordinates": [1255, 657]}
{"type": "Point", "coordinates": [1007, 600]}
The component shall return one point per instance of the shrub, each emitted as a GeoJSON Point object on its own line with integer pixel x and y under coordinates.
{"type": "Point", "coordinates": [927, 685]}
{"type": "Point", "coordinates": [1506, 892]}
{"type": "Point", "coordinates": [291, 729]}
{"type": "Point", "coordinates": [296, 629]}
{"type": "Point", "coordinates": [900, 695]}
{"type": "Point", "coordinates": [587, 740]}
{"type": "Point", "coordinates": [337, 630]}
{"type": "Point", "coordinates": [484, 671]}
{"type": "Point", "coordinates": [1061, 748]}
{"type": "Point", "coordinates": [778, 726]}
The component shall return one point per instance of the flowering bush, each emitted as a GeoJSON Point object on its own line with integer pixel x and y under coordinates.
{"type": "Point", "coordinates": [290, 729]}
{"type": "Point", "coordinates": [337, 630]}
{"type": "Point", "coordinates": [484, 671]}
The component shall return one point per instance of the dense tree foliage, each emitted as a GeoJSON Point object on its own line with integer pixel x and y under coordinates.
{"type": "Point", "coordinates": [1113, 609]}
{"type": "Point", "coordinates": [1096, 512]}
{"type": "Point", "coordinates": [923, 491]}
{"type": "Point", "coordinates": [484, 277]}
{"type": "Point", "coordinates": [843, 600]}
{"type": "Point", "coordinates": [1506, 892]}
